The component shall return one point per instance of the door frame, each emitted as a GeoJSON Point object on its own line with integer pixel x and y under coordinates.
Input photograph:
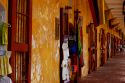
{"type": "Point", "coordinates": [11, 36]}
{"type": "Point", "coordinates": [90, 40]}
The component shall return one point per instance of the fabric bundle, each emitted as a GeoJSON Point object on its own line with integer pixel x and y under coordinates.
{"type": "Point", "coordinates": [5, 67]}
{"type": "Point", "coordinates": [3, 34]}
{"type": "Point", "coordinates": [80, 45]}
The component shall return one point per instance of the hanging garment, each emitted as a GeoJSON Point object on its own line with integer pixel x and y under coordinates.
{"type": "Point", "coordinates": [65, 62]}
{"type": "Point", "coordinates": [80, 46]}
{"type": "Point", "coordinates": [3, 34]}
{"type": "Point", "coordinates": [72, 45]}
{"type": "Point", "coordinates": [73, 49]}
{"type": "Point", "coordinates": [5, 67]}
{"type": "Point", "coordinates": [80, 40]}
{"type": "Point", "coordinates": [65, 50]}
{"type": "Point", "coordinates": [65, 70]}
{"type": "Point", "coordinates": [5, 79]}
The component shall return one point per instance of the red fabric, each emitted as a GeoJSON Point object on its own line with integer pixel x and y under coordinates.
{"type": "Point", "coordinates": [81, 60]}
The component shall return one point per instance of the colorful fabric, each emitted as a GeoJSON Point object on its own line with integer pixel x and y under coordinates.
{"type": "Point", "coordinates": [80, 44]}
{"type": "Point", "coordinates": [74, 68]}
{"type": "Point", "coordinates": [3, 34]}
{"type": "Point", "coordinates": [5, 67]}
{"type": "Point", "coordinates": [80, 40]}
{"type": "Point", "coordinates": [73, 49]}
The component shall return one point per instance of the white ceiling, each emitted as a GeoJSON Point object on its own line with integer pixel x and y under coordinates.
{"type": "Point", "coordinates": [117, 6]}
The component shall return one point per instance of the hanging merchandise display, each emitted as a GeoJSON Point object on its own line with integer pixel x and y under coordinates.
{"type": "Point", "coordinates": [5, 67]}
{"type": "Point", "coordinates": [80, 41]}
{"type": "Point", "coordinates": [3, 33]}
{"type": "Point", "coordinates": [71, 50]}
{"type": "Point", "coordinates": [65, 62]}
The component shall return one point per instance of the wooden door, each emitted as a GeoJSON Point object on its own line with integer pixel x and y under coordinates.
{"type": "Point", "coordinates": [102, 47]}
{"type": "Point", "coordinates": [20, 18]}
{"type": "Point", "coordinates": [112, 46]}
{"type": "Point", "coordinates": [108, 45]}
{"type": "Point", "coordinates": [92, 48]}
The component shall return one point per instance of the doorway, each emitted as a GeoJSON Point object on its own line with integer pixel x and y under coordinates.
{"type": "Point", "coordinates": [108, 46]}
{"type": "Point", "coordinates": [92, 44]}
{"type": "Point", "coordinates": [74, 35]}
{"type": "Point", "coordinates": [113, 47]}
{"type": "Point", "coordinates": [20, 37]}
{"type": "Point", "coordinates": [102, 46]}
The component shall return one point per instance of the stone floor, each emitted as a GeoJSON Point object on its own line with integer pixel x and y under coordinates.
{"type": "Point", "coordinates": [112, 72]}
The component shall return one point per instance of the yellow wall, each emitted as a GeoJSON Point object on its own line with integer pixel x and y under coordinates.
{"type": "Point", "coordinates": [101, 11]}
{"type": "Point", "coordinates": [45, 53]}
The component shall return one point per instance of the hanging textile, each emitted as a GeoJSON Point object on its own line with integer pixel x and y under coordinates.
{"type": "Point", "coordinates": [3, 34]}
{"type": "Point", "coordinates": [5, 67]}
{"type": "Point", "coordinates": [73, 47]}
{"type": "Point", "coordinates": [65, 62]}
{"type": "Point", "coordinates": [80, 42]}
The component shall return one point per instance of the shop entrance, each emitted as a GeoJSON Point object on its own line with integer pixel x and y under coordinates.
{"type": "Point", "coordinates": [112, 45]}
{"type": "Point", "coordinates": [108, 45]}
{"type": "Point", "coordinates": [102, 47]}
{"type": "Point", "coordinates": [92, 44]}
{"type": "Point", "coordinates": [20, 18]}
{"type": "Point", "coordinates": [71, 33]}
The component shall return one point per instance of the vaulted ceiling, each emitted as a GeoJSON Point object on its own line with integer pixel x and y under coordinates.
{"type": "Point", "coordinates": [116, 7]}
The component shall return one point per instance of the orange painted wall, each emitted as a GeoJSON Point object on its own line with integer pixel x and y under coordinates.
{"type": "Point", "coordinates": [45, 49]}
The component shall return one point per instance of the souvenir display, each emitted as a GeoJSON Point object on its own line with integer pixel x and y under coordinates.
{"type": "Point", "coordinates": [5, 67]}
{"type": "Point", "coordinates": [65, 62]}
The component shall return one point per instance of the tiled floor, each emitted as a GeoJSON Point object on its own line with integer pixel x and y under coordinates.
{"type": "Point", "coordinates": [112, 72]}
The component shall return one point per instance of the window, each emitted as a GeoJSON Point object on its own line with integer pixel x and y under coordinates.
{"type": "Point", "coordinates": [19, 39]}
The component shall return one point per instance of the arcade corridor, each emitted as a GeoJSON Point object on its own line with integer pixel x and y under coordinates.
{"type": "Point", "coordinates": [62, 41]}
{"type": "Point", "coordinates": [112, 72]}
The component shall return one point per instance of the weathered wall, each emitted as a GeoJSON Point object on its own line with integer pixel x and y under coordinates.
{"type": "Point", "coordinates": [45, 49]}
{"type": "Point", "coordinates": [45, 53]}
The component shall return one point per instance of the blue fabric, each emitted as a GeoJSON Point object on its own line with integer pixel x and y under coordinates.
{"type": "Point", "coordinates": [73, 49]}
